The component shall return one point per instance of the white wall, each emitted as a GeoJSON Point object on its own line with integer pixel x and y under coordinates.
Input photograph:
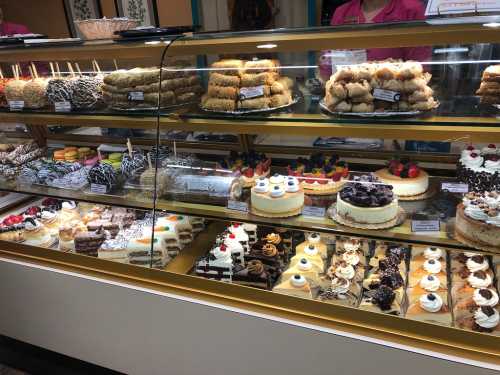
{"type": "Point", "coordinates": [140, 332]}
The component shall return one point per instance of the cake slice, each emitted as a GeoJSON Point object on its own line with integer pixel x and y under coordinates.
{"type": "Point", "coordinates": [427, 284]}
{"type": "Point", "coordinates": [480, 297]}
{"type": "Point", "coordinates": [312, 254]}
{"type": "Point", "coordinates": [419, 269]}
{"type": "Point", "coordinates": [382, 299]}
{"type": "Point", "coordinates": [484, 319]}
{"type": "Point", "coordinates": [342, 292]}
{"type": "Point", "coordinates": [253, 274]}
{"type": "Point", "coordinates": [420, 254]}
{"type": "Point", "coordinates": [352, 245]}
{"type": "Point", "coordinates": [430, 308]}
{"type": "Point", "coordinates": [296, 286]}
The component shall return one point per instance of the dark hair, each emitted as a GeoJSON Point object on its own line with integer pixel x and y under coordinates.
{"type": "Point", "coordinates": [251, 15]}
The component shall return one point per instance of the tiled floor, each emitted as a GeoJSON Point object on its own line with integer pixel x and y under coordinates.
{"type": "Point", "coordinates": [4, 370]}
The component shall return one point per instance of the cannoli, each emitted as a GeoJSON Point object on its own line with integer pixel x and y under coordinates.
{"type": "Point", "coordinates": [217, 104]}
{"type": "Point", "coordinates": [186, 89]}
{"type": "Point", "coordinates": [230, 67]}
{"type": "Point", "coordinates": [279, 100]}
{"type": "Point", "coordinates": [259, 66]}
{"type": "Point", "coordinates": [257, 103]}
{"type": "Point", "coordinates": [281, 85]}
{"type": "Point", "coordinates": [249, 80]}
{"type": "Point", "coordinates": [224, 80]}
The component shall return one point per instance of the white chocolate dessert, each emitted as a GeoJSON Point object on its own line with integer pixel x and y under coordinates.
{"type": "Point", "coordinates": [367, 203]}
{"type": "Point", "coordinates": [278, 195]}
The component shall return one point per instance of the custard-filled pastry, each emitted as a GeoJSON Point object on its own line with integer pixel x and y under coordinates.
{"type": "Point", "coordinates": [430, 103]}
{"type": "Point", "coordinates": [393, 85]}
{"type": "Point", "coordinates": [358, 89]}
{"type": "Point", "coordinates": [250, 80]}
{"type": "Point", "coordinates": [256, 103]}
{"type": "Point", "coordinates": [218, 104]}
{"type": "Point", "coordinates": [331, 101]}
{"type": "Point", "coordinates": [386, 71]}
{"type": "Point", "coordinates": [223, 92]}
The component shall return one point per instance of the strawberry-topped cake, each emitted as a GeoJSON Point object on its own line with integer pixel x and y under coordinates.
{"type": "Point", "coordinates": [480, 168]}
{"type": "Point", "coordinates": [320, 174]}
{"type": "Point", "coordinates": [251, 165]}
{"type": "Point", "coordinates": [406, 178]}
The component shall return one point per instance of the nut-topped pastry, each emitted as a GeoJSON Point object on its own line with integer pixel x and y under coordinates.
{"type": "Point", "coordinates": [278, 196]}
{"type": "Point", "coordinates": [477, 220]}
{"type": "Point", "coordinates": [366, 201]}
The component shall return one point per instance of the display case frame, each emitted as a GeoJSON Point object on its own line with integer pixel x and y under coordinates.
{"type": "Point", "coordinates": [174, 278]}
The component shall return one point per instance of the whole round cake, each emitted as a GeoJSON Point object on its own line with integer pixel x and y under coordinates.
{"type": "Point", "coordinates": [366, 201]}
{"type": "Point", "coordinates": [478, 220]}
{"type": "Point", "coordinates": [406, 178]}
{"type": "Point", "coordinates": [278, 196]}
{"type": "Point", "coordinates": [480, 169]}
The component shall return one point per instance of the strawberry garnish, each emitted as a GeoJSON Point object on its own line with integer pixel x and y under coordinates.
{"type": "Point", "coordinates": [345, 172]}
{"type": "Point", "coordinates": [474, 155]}
{"type": "Point", "coordinates": [337, 176]}
{"type": "Point", "coordinates": [248, 172]}
{"type": "Point", "coordinates": [491, 145]}
{"type": "Point", "coordinates": [413, 171]}
{"type": "Point", "coordinates": [470, 148]}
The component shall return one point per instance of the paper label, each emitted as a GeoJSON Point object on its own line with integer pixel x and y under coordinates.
{"type": "Point", "coordinates": [314, 211]}
{"type": "Point", "coordinates": [98, 189]}
{"type": "Point", "coordinates": [425, 226]}
{"type": "Point", "coordinates": [16, 105]}
{"type": "Point", "coordinates": [386, 95]}
{"type": "Point", "coordinates": [135, 96]}
{"type": "Point", "coordinates": [455, 187]}
{"type": "Point", "coordinates": [62, 106]}
{"type": "Point", "coordinates": [251, 92]}
{"type": "Point", "coordinates": [237, 205]}
{"type": "Point", "coordinates": [443, 7]}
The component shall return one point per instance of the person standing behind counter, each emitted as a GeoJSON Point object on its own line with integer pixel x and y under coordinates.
{"type": "Point", "coordinates": [9, 28]}
{"type": "Point", "coordinates": [378, 11]}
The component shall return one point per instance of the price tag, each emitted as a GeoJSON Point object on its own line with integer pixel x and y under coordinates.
{"type": "Point", "coordinates": [314, 211]}
{"type": "Point", "coordinates": [135, 96]}
{"type": "Point", "coordinates": [386, 95]}
{"type": "Point", "coordinates": [425, 226]}
{"type": "Point", "coordinates": [251, 92]}
{"type": "Point", "coordinates": [98, 189]}
{"type": "Point", "coordinates": [198, 185]}
{"type": "Point", "coordinates": [443, 7]}
{"type": "Point", "coordinates": [237, 205]}
{"type": "Point", "coordinates": [16, 105]}
{"type": "Point", "coordinates": [62, 106]}
{"type": "Point", "coordinates": [455, 187]}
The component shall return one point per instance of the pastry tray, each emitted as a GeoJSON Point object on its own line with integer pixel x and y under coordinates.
{"type": "Point", "coordinates": [73, 188]}
{"type": "Point", "coordinates": [143, 109]}
{"type": "Point", "coordinates": [295, 100]}
{"type": "Point", "coordinates": [384, 114]}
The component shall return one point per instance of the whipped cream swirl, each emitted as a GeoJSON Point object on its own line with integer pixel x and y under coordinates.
{"type": "Point", "coordinates": [474, 212]}
{"type": "Point", "coordinates": [277, 179]}
{"type": "Point", "coordinates": [479, 279]}
{"type": "Point", "coordinates": [432, 266]}
{"type": "Point", "coordinates": [345, 271]}
{"type": "Point", "coordinates": [304, 265]}
{"type": "Point", "coordinates": [477, 263]}
{"type": "Point", "coordinates": [484, 320]}
{"type": "Point", "coordinates": [485, 297]}
{"type": "Point", "coordinates": [471, 161]}
{"type": "Point", "coordinates": [351, 257]}
{"type": "Point", "coordinates": [352, 245]}
{"type": "Point", "coordinates": [311, 250]}
{"type": "Point", "coordinates": [261, 187]}
{"type": "Point", "coordinates": [340, 285]}
{"type": "Point", "coordinates": [430, 283]}
{"type": "Point", "coordinates": [431, 302]}
{"type": "Point", "coordinates": [314, 238]}
{"type": "Point", "coordinates": [433, 253]}
{"type": "Point", "coordinates": [298, 281]}
{"type": "Point", "coordinates": [277, 191]}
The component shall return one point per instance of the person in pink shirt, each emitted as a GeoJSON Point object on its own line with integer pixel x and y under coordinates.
{"type": "Point", "coordinates": [380, 11]}
{"type": "Point", "coordinates": [9, 28]}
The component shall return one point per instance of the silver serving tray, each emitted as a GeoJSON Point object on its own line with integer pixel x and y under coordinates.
{"type": "Point", "coordinates": [295, 100]}
{"type": "Point", "coordinates": [383, 114]}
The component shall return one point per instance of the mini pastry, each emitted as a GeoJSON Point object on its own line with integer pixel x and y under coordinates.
{"type": "Point", "coordinates": [340, 292]}
{"type": "Point", "coordinates": [381, 299]}
{"type": "Point", "coordinates": [253, 274]}
{"type": "Point", "coordinates": [305, 268]}
{"type": "Point", "coordinates": [35, 234]}
{"type": "Point", "coordinates": [485, 319]}
{"type": "Point", "coordinates": [50, 220]}
{"type": "Point", "coordinates": [88, 243]}
{"type": "Point", "coordinates": [315, 240]}
{"type": "Point", "coordinates": [296, 286]}
{"type": "Point", "coordinates": [311, 253]}
{"type": "Point", "coordinates": [480, 297]}
{"type": "Point", "coordinates": [69, 212]}
{"type": "Point", "coordinates": [430, 308]}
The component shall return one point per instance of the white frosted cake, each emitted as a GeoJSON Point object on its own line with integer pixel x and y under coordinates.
{"type": "Point", "coordinates": [278, 195]}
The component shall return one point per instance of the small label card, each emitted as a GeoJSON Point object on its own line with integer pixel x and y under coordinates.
{"type": "Point", "coordinates": [314, 211]}
{"type": "Point", "coordinates": [386, 95]}
{"type": "Point", "coordinates": [135, 96]}
{"type": "Point", "coordinates": [455, 187]}
{"type": "Point", "coordinates": [98, 189]}
{"type": "Point", "coordinates": [425, 225]}
{"type": "Point", "coordinates": [443, 7]}
{"type": "Point", "coordinates": [16, 105]}
{"type": "Point", "coordinates": [237, 205]}
{"type": "Point", "coordinates": [62, 106]}
{"type": "Point", "coordinates": [251, 92]}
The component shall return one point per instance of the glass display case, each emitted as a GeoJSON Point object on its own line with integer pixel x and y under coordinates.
{"type": "Point", "coordinates": [285, 171]}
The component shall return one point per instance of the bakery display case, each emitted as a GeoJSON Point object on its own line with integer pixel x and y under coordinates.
{"type": "Point", "coordinates": [281, 171]}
